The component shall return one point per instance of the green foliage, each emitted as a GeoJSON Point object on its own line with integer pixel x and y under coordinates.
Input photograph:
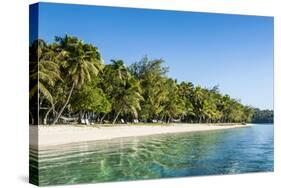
{"type": "Point", "coordinates": [91, 98]}
{"type": "Point", "coordinates": [152, 77]}
{"type": "Point", "coordinates": [80, 62]}
{"type": "Point", "coordinates": [262, 116]}
{"type": "Point", "coordinates": [174, 105]}
{"type": "Point", "coordinates": [123, 90]}
{"type": "Point", "coordinates": [44, 71]}
{"type": "Point", "coordinates": [70, 77]}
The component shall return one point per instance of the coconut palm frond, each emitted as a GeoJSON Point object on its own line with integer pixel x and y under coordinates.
{"type": "Point", "coordinates": [45, 92]}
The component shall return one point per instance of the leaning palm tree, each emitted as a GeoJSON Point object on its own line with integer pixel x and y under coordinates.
{"type": "Point", "coordinates": [80, 63]}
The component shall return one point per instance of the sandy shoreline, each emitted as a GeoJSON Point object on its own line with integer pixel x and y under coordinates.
{"type": "Point", "coordinates": [65, 134]}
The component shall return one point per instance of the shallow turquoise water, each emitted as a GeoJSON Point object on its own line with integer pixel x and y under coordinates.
{"type": "Point", "coordinates": [172, 155]}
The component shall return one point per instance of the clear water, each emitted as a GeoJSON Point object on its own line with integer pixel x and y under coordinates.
{"type": "Point", "coordinates": [160, 156]}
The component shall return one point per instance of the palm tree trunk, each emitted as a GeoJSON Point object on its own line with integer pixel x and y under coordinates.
{"type": "Point", "coordinates": [161, 119]}
{"type": "Point", "coordinates": [102, 118]}
{"type": "Point", "coordinates": [81, 115]}
{"type": "Point", "coordinates": [67, 101]}
{"type": "Point", "coordinates": [116, 117]}
{"type": "Point", "coordinates": [48, 112]}
{"type": "Point", "coordinates": [46, 116]}
{"type": "Point", "coordinates": [169, 119]}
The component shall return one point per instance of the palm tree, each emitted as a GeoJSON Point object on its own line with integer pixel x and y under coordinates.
{"type": "Point", "coordinates": [152, 76]}
{"type": "Point", "coordinates": [186, 93]}
{"type": "Point", "coordinates": [129, 99]}
{"type": "Point", "coordinates": [44, 74]}
{"type": "Point", "coordinates": [210, 110]}
{"type": "Point", "coordinates": [122, 73]}
{"type": "Point", "coordinates": [45, 71]}
{"type": "Point", "coordinates": [174, 105]}
{"type": "Point", "coordinates": [80, 63]}
{"type": "Point", "coordinates": [123, 90]}
{"type": "Point", "coordinates": [198, 102]}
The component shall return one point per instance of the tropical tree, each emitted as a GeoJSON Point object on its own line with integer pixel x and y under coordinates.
{"type": "Point", "coordinates": [199, 96]}
{"type": "Point", "coordinates": [90, 98]}
{"type": "Point", "coordinates": [80, 63]}
{"type": "Point", "coordinates": [174, 106]}
{"type": "Point", "coordinates": [248, 113]}
{"type": "Point", "coordinates": [262, 116]}
{"type": "Point", "coordinates": [122, 89]}
{"type": "Point", "coordinates": [44, 73]}
{"type": "Point", "coordinates": [210, 110]}
{"type": "Point", "coordinates": [68, 76]}
{"type": "Point", "coordinates": [211, 106]}
{"type": "Point", "coordinates": [152, 77]}
{"type": "Point", "coordinates": [186, 94]}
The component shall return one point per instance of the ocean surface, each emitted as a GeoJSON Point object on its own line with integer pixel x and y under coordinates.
{"type": "Point", "coordinates": [232, 151]}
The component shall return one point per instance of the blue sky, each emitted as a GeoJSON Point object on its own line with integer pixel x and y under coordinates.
{"type": "Point", "coordinates": [233, 51]}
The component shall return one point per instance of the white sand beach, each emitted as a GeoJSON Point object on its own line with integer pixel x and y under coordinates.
{"type": "Point", "coordinates": [65, 134]}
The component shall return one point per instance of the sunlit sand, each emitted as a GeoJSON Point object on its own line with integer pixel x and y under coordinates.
{"type": "Point", "coordinates": [65, 134]}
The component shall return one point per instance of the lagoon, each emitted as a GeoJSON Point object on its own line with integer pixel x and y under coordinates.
{"type": "Point", "coordinates": [229, 151]}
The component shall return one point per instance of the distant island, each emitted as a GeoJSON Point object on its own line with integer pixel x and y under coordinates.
{"type": "Point", "coordinates": [70, 83]}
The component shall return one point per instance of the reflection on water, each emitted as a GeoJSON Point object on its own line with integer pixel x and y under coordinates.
{"type": "Point", "coordinates": [174, 155]}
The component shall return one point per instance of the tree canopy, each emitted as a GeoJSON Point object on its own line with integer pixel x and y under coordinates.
{"type": "Point", "coordinates": [70, 77]}
{"type": "Point", "coordinates": [262, 116]}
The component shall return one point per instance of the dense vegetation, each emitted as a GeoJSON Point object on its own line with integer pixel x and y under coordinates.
{"type": "Point", "coordinates": [70, 82]}
{"type": "Point", "coordinates": [262, 116]}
